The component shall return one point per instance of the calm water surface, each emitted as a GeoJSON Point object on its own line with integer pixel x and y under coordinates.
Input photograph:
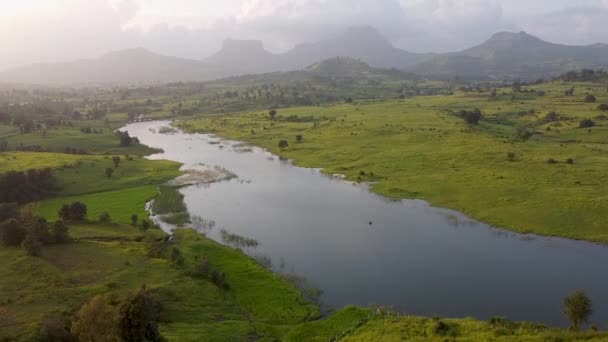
{"type": "Point", "coordinates": [413, 257]}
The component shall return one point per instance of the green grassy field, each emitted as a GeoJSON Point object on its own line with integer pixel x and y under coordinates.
{"type": "Point", "coordinates": [57, 139]}
{"type": "Point", "coordinates": [120, 204]}
{"type": "Point", "coordinates": [111, 259]}
{"type": "Point", "coordinates": [416, 148]}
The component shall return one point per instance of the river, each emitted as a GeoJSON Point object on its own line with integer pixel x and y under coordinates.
{"type": "Point", "coordinates": [361, 248]}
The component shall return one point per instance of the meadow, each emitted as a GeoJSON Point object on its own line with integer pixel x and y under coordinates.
{"type": "Point", "coordinates": [521, 168]}
{"type": "Point", "coordinates": [511, 170]}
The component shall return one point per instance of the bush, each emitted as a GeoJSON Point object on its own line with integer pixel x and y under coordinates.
{"type": "Point", "coordinates": [590, 98]}
{"type": "Point", "coordinates": [31, 245]}
{"type": "Point", "coordinates": [105, 217]}
{"type": "Point", "coordinates": [283, 144]}
{"type": "Point", "coordinates": [59, 232]}
{"type": "Point", "coordinates": [56, 329]}
{"type": "Point", "coordinates": [12, 232]}
{"type": "Point", "coordinates": [511, 156]}
{"type": "Point", "coordinates": [586, 123]}
{"type": "Point", "coordinates": [603, 107]}
{"type": "Point", "coordinates": [471, 117]}
{"type": "Point", "coordinates": [77, 211]}
{"type": "Point", "coordinates": [96, 321]}
{"type": "Point", "coordinates": [145, 224]}
{"type": "Point", "coordinates": [134, 219]}
{"type": "Point", "coordinates": [137, 318]}
{"type": "Point", "coordinates": [176, 256]}
{"type": "Point", "coordinates": [202, 268]}
{"type": "Point", "coordinates": [219, 279]}
{"type": "Point", "coordinates": [299, 138]}
{"type": "Point", "coordinates": [551, 161]}
{"type": "Point", "coordinates": [570, 161]}
{"type": "Point", "coordinates": [8, 211]}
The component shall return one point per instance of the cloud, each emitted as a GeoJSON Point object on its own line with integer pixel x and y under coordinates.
{"type": "Point", "coordinates": [60, 30]}
{"type": "Point", "coordinates": [579, 25]}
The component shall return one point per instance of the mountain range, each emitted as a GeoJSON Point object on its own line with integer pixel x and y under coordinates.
{"type": "Point", "coordinates": [505, 56]}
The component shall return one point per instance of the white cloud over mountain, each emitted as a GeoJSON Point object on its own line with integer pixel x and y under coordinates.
{"type": "Point", "coordinates": [56, 30]}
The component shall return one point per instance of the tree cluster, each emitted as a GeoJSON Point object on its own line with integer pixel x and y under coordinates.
{"type": "Point", "coordinates": [28, 186]}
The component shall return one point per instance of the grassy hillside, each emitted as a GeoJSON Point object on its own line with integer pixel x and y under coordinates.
{"type": "Point", "coordinates": [511, 170]}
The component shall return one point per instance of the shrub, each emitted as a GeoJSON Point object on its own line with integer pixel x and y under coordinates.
{"type": "Point", "coordinates": [176, 256]}
{"type": "Point", "coordinates": [471, 117]}
{"type": "Point", "coordinates": [56, 329]}
{"type": "Point", "coordinates": [116, 161]}
{"type": "Point", "coordinates": [202, 269]}
{"type": "Point", "coordinates": [145, 224]}
{"type": "Point", "coordinates": [586, 123]}
{"type": "Point", "coordinates": [137, 318]}
{"type": "Point", "coordinates": [570, 161]}
{"type": "Point", "coordinates": [219, 279]}
{"type": "Point", "coordinates": [105, 217]}
{"type": "Point", "coordinates": [299, 138]}
{"type": "Point", "coordinates": [551, 161]}
{"type": "Point", "coordinates": [511, 156]}
{"type": "Point", "coordinates": [283, 144]}
{"type": "Point", "coordinates": [109, 172]}
{"type": "Point", "coordinates": [77, 211]}
{"type": "Point", "coordinates": [134, 219]}
{"type": "Point", "coordinates": [31, 245]}
{"type": "Point", "coordinates": [59, 232]}
{"type": "Point", "coordinates": [590, 98]}
{"type": "Point", "coordinates": [8, 211]}
{"type": "Point", "coordinates": [12, 233]}
{"type": "Point", "coordinates": [603, 107]}
{"type": "Point", "coordinates": [96, 321]}
{"type": "Point", "coordinates": [272, 113]}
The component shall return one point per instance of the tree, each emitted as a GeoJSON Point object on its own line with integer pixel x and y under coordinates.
{"type": "Point", "coordinates": [577, 308]}
{"type": "Point", "coordinates": [299, 138]}
{"type": "Point", "coordinates": [32, 246]}
{"type": "Point", "coordinates": [586, 123]}
{"type": "Point", "coordinates": [64, 213]}
{"type": "Point", "coordinates": [137, 318]}
{"type": "Point", "coordinates": [116, 161]}
{"type": "Point", "coordinates": [590, 98]}
{"type": "Point", "coordinates": [77, 211]}
{"type": "Point", "coordinates": [105, 217]}
{"type": "Point", "coordinates": [471, 117]}
{"type": "Point", "coordinates": [96, 321]}
{"type": "Point", "coordinates": [125, 139]}
{"type": "Point", "coordinates": [134, 219]}
{"type": "Point", "coordinates": [109, 172]}
{"type": "Point", "coordinates": [40, 231]}
{"type": "Point", "coordinates": [176, 256]}
{"type": "Point", "coordinates": [272, 113]}
{"type": "Point", "coordinates": [283, 144]}
{"type": "Point", "coordinates": [59, 232]}
{"type": "Point", "coordinates": [202, 268]}
{"type": "Point", "coordinates": [8, 211]}
{"type": "Point", "coordinates": [12, 233]}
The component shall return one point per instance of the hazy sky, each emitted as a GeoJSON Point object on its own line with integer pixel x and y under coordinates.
{"type": "Point", "coordinates": [34, 31]}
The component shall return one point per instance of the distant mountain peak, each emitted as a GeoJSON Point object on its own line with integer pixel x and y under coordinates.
{"type": "Point", "coordinates": [135, 52]}
{"type": "Point", "coordinates": [521, 36]}
{"type": "Point", "coordinates": [235, 45]}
